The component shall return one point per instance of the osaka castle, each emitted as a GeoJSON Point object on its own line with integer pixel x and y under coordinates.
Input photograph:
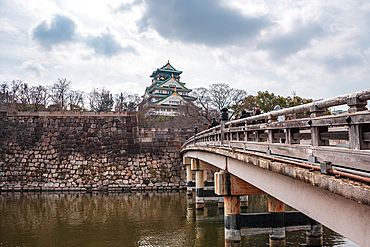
{"type": "Point", "coordinates": [166, 94]}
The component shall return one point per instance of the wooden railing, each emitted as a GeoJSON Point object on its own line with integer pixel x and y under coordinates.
{"type": "Point", "coordinates": [343, 139]}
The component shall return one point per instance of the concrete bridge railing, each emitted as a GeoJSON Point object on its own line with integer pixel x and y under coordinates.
{"type": "Point", "coordinates": [342, 140]}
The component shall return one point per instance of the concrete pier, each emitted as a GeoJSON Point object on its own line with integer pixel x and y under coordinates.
{"type": "Point", "coordinates": [314, 236]}
{"type": "Point", "coordinates": [190, 184]}
{"type": "Point", "coordinates": [232, 221]}
{"type": "Point", "coordinates": [199, 186]}
{"type": "Point", "coordinates": [277, 238]}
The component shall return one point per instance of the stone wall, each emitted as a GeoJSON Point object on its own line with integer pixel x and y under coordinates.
{"type": "Point", "coordinates": [90, 150]}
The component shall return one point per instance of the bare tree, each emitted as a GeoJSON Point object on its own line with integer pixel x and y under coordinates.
{"type": "Point", "coordinates": [12, 95]}
{"type": "Point", "coordinates": [220, 95]}
{"type": "Point", "coordinates": [75, 100]}
{"type": "Point", "coordinates": [236, 101]}
{"type": "Point", "coordinates": [126, 102]}
{"type": "Point", "coordinates": [15, 92]}
{"type": "Point", "coordinates": [39, 97]}
{"type": "Point", "coordinates": [59, 92]}
{"type": "Point", "coordinates": [101, 100]}
{"type": "Point", "coordinates": [203, 109]}
{"type": "Point", "coordinates": [210, 101]}
{"type": "Point", "coordinates": [23, 97]}
{"type": "Point", "coordinates": [4, 96]}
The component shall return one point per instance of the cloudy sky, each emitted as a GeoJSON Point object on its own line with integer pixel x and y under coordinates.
{"type": "Point", "coordinates": [317, 48]}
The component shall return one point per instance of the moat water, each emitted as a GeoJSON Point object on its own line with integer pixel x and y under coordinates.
{"type": "Point", "coordinates": [125, 219]}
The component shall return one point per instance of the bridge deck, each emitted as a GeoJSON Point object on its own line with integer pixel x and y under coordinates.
{"type": "Point", "coordinates": [284, 159]}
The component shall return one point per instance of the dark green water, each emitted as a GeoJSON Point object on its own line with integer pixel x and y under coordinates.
{"type": "Point", "coordinates": [124, 219]}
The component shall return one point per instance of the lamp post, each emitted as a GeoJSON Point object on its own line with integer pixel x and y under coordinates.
{"type": "Point", "coordinates": [224, 118]}
{"type": "Point", "coordinates": [195, 133]}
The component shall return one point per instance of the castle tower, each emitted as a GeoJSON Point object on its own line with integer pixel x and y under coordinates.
{"type": "Point", "coordinates": [166, 94]}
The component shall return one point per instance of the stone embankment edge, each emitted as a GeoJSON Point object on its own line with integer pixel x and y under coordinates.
{"type": "Point", "coordinates": [50, 187]}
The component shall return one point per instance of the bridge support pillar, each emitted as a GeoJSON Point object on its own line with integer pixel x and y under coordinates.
{"type": "Point", "coordinates": [232, 187]}
{"type": "Point", "coordinates": [190, 184]}
{"type": "Point", "coordinates": [232, 221]}
{"type": "Point", "coordinates": [200, 169]}
{"type": "Point", "coordinates": [277, 238]}
{"type": "Point", "coordinates": [199, 184]}
{"type": "Point", "coordinates": [314, 236]}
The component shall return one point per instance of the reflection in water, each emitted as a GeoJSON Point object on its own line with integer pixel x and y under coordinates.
{"type": "Point", "coordinates": [123, 219]}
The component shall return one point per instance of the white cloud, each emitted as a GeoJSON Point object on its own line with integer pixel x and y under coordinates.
{"type": "Point", "coordinates": [35, 66]}
{"type": "Point", "coordinates": [60, 29]}
{"type": "Point", "coordinates": [8, 27]}
{"type": "Point", "coordinates": [318, 48]}
{"type": "Point", "coordinates": [109, 43]}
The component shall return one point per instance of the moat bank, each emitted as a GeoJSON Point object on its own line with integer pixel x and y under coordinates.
{"type": "Point", "coordinates": [87, 150]}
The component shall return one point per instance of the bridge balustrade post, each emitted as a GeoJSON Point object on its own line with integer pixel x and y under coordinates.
{"type": "Point", "coordinates": [355, 136]}
{"type": "Point", "coordinates": [316, 111]}
{"type": "Point", "coordinates": [246, 137]}
{"type": "Point", "coordinates": [222, 132]}
{"type": "Point", "coordinates": [289, 136]}
{"type": "Point", "coordinates": [257, 134]}
{"type": "Point", "coordinates": [356, 105]}
{"type": "Point", "coordinates": [315, 130]}
{"type": "Point", "coordinates": [271, 132]}
{"type": "Point", "coordinates": [277, 238]}
{"type": "Point", "coordinates": [355, 133]}
{"type": "Point", "coordinates": [270, 136]}
{"type": "Point", "coordinates": [315, 136]}
{"type": "Point", "coordinates": [272, 118]}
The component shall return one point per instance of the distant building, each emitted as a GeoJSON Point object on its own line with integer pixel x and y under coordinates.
{"type": "Point", "coordinates": [334, 112]}
{"type": "Point", "coordinates": [166, 94]}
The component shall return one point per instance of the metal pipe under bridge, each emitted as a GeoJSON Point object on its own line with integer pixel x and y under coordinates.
{"type": "Point", "coordinates": [319, 165]}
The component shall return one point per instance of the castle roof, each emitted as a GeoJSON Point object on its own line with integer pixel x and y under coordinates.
{"type": "Point", "coordinates": [174, 94]}
{"type": "Point", "coordinates": [167, 68]}
{"type": "Point", "coordinates": [170, 68]}
{"type": "Point", "coordinates": [162, 84]}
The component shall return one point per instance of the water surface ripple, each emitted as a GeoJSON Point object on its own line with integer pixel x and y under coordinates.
{"type": "Point", "coordinates": [123, 219]}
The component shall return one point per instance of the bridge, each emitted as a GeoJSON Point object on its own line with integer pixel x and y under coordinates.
{"type": "Point", "coordinates": [318, 164]}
